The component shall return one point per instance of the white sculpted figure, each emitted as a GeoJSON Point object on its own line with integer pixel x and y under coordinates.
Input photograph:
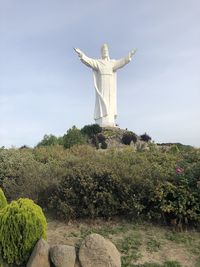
{"type": "Point", "coordinates": [105, 83]}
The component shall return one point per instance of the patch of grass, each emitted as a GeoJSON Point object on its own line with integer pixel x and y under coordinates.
{"type": "Point", "coordinates": [129, 247]}
{"type": "Point", "coordinates": [153, 245]}
{"type": "Point", "coordinates": [105, 231]}
{"type": "Point", "coordinates": [190, 242]}
{"type": "Point", "coordinates": [178, 237]}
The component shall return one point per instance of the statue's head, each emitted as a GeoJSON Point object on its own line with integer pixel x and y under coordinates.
{"type": "Point", "coordinates": [104, 51]}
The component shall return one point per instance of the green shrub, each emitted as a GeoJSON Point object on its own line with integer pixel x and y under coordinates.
{"type": "Point", "coordinates": [176, 201]}
{"type": "Point", "coordinates": [104, 145]}
{"type": "Point", "coordinates": [129, 137]}
{"type": "Point", "coordinates": [22, 224]}
{"type": "Point", "coordinates": [99, 141]}
{"type": "Point", "coordinates": [145, 137]}
{"type": "Point", "coordinates": [73, 137]}
{"type": "Point", "coordinates": [3, 201]}
{"type": "Point", "coordinates": [91, 130]}
{"type": "Point", "coordinates": [87, 191]}
{"type": "Point", "coordinates": [50, 140]}
{"type": "Point", "coordinates": [101, 138]}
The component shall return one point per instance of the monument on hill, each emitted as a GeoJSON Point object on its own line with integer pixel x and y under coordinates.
{"type": "Point", "coordinates": [105, 83]}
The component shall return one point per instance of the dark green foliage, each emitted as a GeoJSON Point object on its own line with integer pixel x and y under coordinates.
{"type": "Point", "coordinates": [104, 145]}
{"type": "Point", "coordinates": [101, 138]}
{"type": "Point", "coordinates": [177, 202]}
{"type": "Point", "coordinates": [91, 130]}
{"type": "Point", "coordinates": [22, 224]}
{"type": "Point", "coordinates": [3, 201]}
{"type": "Point", "coordinates": [87, 191]}
{"type": "Point", "coordinates": [145, 137]}
{"type": "Point", "coordinates": [99, 141]}
{"type": "Point", "coordinates": [73, 137]}
{"type": "Point", "coordinates": [129, 137]}
{"type": "Point", "coordinates": [49, 140]}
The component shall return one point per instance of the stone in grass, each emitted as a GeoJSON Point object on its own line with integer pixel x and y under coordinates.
{"type": "Point", "coordinates": [40, 255]}
{"type": "Point", "coordinates": [63, 255]}
{"type": "Point", "coordinates": [96, 251]}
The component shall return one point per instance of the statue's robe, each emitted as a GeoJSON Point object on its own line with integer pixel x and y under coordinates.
{"type": "Point", "coordinates": [105, 83]}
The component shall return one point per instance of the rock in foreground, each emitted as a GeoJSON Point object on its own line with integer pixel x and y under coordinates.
{"type": "Point", "coordinates": [96, 251]}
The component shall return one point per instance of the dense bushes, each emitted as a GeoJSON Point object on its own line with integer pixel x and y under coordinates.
{"type": "Point", "coordinates": [87, 191]}
{"type": "Point", "coordinates": [84, 182]}
{"type": "Point", "coordinates": [129, 137]}
{"type": "Point", "coordinates": [22, 224]}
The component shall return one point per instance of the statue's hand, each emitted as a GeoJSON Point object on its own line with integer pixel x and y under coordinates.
{"type": "Point", "coordinates": [78, 51]}
{"type": "Point", "coordinates": [132, 52]}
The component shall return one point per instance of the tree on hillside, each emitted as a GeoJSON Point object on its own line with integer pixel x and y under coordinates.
{"type": "Point", "coordinates": [73, 137]}
{"type": "Point", "coordinates": [49, 140]}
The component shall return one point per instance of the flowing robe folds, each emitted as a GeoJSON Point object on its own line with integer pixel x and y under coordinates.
{"type": "Point", "coordinates": [105, 83]}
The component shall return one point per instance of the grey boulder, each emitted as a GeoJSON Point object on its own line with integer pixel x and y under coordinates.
{"type": "Point", "coordinates": [63, 255]}
{"type": "Point", "coordinates": [96, 251]}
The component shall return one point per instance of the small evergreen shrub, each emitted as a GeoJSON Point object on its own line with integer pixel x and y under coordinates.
{"type": "Point", "coordinates": [145, 137]}
{"type": "Point", "coordinates": [128, 137]}
{"type": "Point", "coordinates": [104, 145]}
{"type": "Point", "coordinates": [73, 137]}
{"type": "Point", "coordinates": [3, 201]}
{"type": "Point", "coordinates": [22, 224]}
{"type": "Point", "coordinates": [91, 130]}
{"type": "Point", "coordinates": [101, 138]}
{"type": "Point", "coordinates": [49, 140]}
{"type": "Point", "coordinates": [99, 141]}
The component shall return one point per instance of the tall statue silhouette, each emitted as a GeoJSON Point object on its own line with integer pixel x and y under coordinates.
{"type": "Point", "coordinates": [105, 83]}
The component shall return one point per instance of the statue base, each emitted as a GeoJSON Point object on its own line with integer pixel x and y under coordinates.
{"type": "Point", "coordinates": [105, 122]}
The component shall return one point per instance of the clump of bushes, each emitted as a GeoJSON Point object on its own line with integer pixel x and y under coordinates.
{"type": "Point", "coordinates": [84, 182]}
{"type": "Point", "coordinates": [129, 137]}
{"type": "Point", "coordinates": [22, 224]}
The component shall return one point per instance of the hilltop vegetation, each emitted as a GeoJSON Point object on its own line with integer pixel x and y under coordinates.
{"type": "Point", "coordinates": [156, 184]}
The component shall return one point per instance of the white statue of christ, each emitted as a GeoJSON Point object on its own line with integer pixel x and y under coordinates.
{"type": "Point", "coordinates": [105, 83]}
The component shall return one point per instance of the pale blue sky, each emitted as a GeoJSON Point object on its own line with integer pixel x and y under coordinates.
{"type": "Point", "coordinates": [44, 88]}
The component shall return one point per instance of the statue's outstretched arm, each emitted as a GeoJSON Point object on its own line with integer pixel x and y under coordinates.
{"type": "Point", "coordinates": [78, 51]}
{"type": "Point", "coordinates": [90, 62]}
{"type": "Point", "coordinates": [120, 63]}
